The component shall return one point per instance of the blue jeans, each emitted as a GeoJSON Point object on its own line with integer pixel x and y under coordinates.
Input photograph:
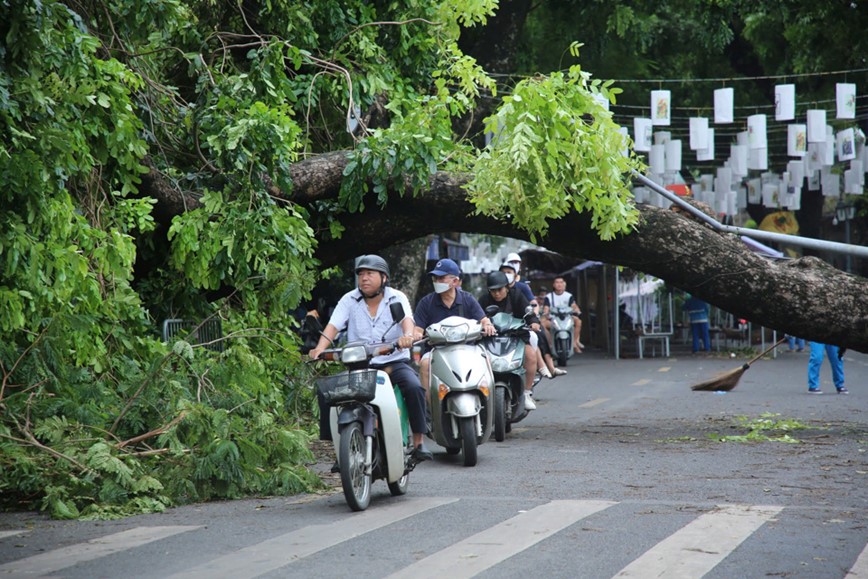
{"type": "Point", "coordinates": [700, 330]}
{"type": "Point", "coordinates": [816, 361]}
{"type": "Point", "coordinates": [796, 343]}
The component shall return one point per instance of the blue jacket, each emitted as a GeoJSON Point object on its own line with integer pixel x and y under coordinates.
{"type": "Point", "coordinates": [697, 310]}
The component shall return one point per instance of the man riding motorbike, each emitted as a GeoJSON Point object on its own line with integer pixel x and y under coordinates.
{"type": "Point", "coordinates": [543, 351]}
{"type": "Point", "coordinates": [447, 300]}
{"type": "Point", "coordinates": [562, 298]}
{"type": "Point", "coordinates": [515, 303]}
{"type": "Point", "coordinates": [364, 312]}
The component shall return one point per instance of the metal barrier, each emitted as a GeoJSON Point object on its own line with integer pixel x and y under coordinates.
{"type": "Point", "coordinates": [208, 333]}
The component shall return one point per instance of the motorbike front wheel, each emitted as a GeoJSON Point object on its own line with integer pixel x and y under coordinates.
{"type": "Point", "coordinates": [499, 414]}
{"type": "Point", "coordinates": [563, 350]}
{"type": "Point", "coordinates": [356, 483]}
{"type": "Point", "coordinates": [467, 429]}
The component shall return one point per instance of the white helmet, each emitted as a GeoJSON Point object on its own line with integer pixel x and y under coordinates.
{"type": "Point", "coordinates": [513, 257]}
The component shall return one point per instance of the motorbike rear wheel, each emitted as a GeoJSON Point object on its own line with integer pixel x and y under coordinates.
{"type": "Point", "coordinates": [467, 429]}
{"type": "Point", "coordinates": [499, 414]}
{"type": "Point", "coordinates": [354, 480]}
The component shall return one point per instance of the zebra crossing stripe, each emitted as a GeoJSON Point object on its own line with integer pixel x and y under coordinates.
{"type": "Point", "coordinates": [4, 534]}
{"type": "Point", "coordinates": [696, 548]}
{"type": "Point", "coordinates": [500, 542]}
{"type": "Point", "coordinates": [45, 563]}
{"type": "Point", "coordinates": [860, 567]}
{"type": "Point", "coordinates": [275, 553]}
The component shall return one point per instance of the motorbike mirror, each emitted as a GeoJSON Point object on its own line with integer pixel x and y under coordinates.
{"type": "Point", "coordinates": [528, 312]}
{"type": "Point", "coordinates": [397, 311]}
{"type": "Point", "coordinates": [491, 310]}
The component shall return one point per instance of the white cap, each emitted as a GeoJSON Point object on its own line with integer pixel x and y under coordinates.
{"type": "Point", "coordinates": [513, 257]}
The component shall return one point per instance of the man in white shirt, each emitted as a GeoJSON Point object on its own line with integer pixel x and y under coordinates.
{"type": "Point", "coordinates": [364, 313]}
{"type": "Point", "coordinates": [559, 298]}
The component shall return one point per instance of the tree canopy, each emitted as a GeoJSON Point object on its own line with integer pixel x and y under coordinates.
{"type": "Point", "coordinates": [212, 160]}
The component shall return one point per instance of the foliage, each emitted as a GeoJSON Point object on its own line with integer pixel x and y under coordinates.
{"type": "Point", "coordinates": [765, 428]}
{"type": "Point", "coordinates": [555, 149]}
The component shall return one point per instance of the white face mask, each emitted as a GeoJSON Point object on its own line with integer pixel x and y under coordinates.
{"type": "Point", "coordinates": [510, 277]}
{"type": "Point", "coordinates": [441, 287]}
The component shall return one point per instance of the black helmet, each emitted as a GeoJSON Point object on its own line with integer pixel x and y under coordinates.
{"type": "Point", "coordinates": [372, 262]}
{"type": "Point", "coordinates": [497, 280]}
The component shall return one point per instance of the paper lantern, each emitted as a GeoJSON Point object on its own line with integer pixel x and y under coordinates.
{"type": "Point", "coordinates": [814, 180]}
{"type": "Point", "coordinates": [756, 132]}
{"type": "Point", "coordinates": [796, 169]}
{"type": "Point", "coordinates": [698, 133]}
{"type": "Point", "coordinates": [660, 107]}
{"type": "Point", "coordinates": [604, 102]}
{"type": "Point", "coordinates": [859, 167]}
{"type": "Point", "coordinates": [770, 195]}
{"type": "Point", "coordinates": [829, 147]}
{"type": "Point", "coordinates": [797, 140]}
{"type": "Point", "coordinates": [707, 154]}
{"type": "Point", "coordinates": [706, 181]}
{"type": "Point", "coordinates": [815, 156]}
{"type": "Point", "coordinates": [723, 102]}
{"type": "Point", "coordinates": [731, 203]}
{"type": "Point", "coordinates": [657, 159]}
{"type": "Point", "coordinates": [662, 137]}
{"type": "Point", "coordinates": [790, 196]}
{"type": "Point", "coordinates": [846, 144]}
{"type": "Point", "coordinates": [851, 182]}
{"type": "Point", "coordinates": [817, 126]}
{"type": "Point", "coordinates": [785, 102]}
{"type": "Point", "coordinates": [754, 191]}
{"type": "Point", "coordinates": [845, 97]}
{"type": "Point", "coordinates": [673, 155]}
{"type": "Point", "coordinates": [758, 159]}
{"type": "Point", "coordinates": [738, 159]}
{"type": "Point", "coordinates": [723, 181]}
{"type": "Point", "coordinates": [830, 183]}
{"type": "Point", "coordinates": [625, 135]}
{"type": "Point", "coordinates": [642, 134]}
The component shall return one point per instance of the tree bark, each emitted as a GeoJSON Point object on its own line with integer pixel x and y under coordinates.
{"type": "Point", "coordinates": [803, 297]}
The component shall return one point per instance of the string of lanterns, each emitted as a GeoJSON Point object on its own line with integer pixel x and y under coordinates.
{"type": "Point", "coordinates": [812, 147]}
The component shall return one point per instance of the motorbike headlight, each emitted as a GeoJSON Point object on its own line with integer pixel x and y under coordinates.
{"type": "Point", "coordinates": [456, 333]}
{"type": "Point", "coordinates": [500, 364]}
{"type": "Point", "coordinates": [353, 354]}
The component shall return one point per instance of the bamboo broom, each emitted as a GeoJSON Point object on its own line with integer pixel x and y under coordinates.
{"type": "Point", "coordinates": [729, 380]}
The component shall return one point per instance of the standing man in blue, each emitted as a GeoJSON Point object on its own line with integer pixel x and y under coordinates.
{"type": "Point", "coordinates": [816, 361]}
{"type": "Point", "coordinates": [447, 300]}
{"type": "Point", "coordinates": [697, 310]}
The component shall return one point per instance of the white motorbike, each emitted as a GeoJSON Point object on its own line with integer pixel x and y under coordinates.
{"type": "Point", "coordinates": [562, 331]}
{"type": "Point", "coordinates": [369, 423]}
{"type": "Point", "coordinates": [460, 387]}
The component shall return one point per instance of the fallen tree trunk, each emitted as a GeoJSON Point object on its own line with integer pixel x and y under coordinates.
{"type": "Point", "coordinates": [803, 297]}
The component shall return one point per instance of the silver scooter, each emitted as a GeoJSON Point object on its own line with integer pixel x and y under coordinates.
{"type": "Point", "coordinates": [562, 330]}
{"type": "Point", "coordinates": [459, 387]}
